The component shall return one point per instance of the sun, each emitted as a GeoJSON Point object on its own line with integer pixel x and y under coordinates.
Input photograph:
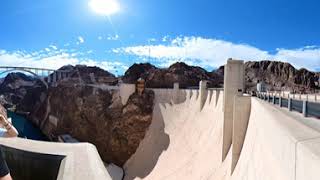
{"type": "Point", "coordinates": [105, 7]}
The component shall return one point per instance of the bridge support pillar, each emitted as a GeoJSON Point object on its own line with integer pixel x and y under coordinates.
{"type": "Point", "coordinates": [315, 97]}
{"type": "Point", "coordinates": [305, 108]}
{"type": "Point", "coordinates": [233, 86]}
{"type": "Point", "coordinates": [290, 104]}
{"type": "Point", "coordinates": [203, 93]}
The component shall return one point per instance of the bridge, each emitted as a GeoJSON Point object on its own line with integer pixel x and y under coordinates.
{"type": "Point", "coordinates": [47, 76]}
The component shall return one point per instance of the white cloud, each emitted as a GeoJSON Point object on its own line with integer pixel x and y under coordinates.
{"type": "Point", "coordinates": [165, 38]}
{"type": "Point", "coordinates": [55, 59]}
{"type": "Point", "coordinates": [53, 47]}
{"type": "Point", "coordinates": [113, 37]}
{"type": "Point", "coordinates": [152, 40]}
{"type": "Point", "coordinates": [100, 37]}
{"type": "Point", "coordinates": [215, 52]}
{"type": "Point", "coordinates": [80, 40]}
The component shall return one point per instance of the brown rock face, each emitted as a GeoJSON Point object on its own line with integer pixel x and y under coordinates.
{"type": "Point", "coordinates": [280, 76]}
{"type": "Point", "coordinates": [89, 74]}
{"type": "Point", "coordinates": [97, 116]}
{"type": "Point", "coordinates": [21, 90]}
{"type": "Point", "coordinates": [187, 76]}
{"type": "Point", "coordinates": [3, 111]}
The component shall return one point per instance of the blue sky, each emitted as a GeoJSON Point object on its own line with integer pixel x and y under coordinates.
{"type": "Point", "coordinates": [51, 33]}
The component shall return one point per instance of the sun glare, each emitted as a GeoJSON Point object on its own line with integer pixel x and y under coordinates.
{"type": "Point", "coordinates": [105, 7]}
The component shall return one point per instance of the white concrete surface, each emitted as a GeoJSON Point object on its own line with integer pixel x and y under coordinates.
{"type": "Point", "coordinates": [126, 90]}
{"type": "Point", "coordinates": [81, 162]}
{"type": "Point", "coordinates": [233, 86]}
{"type": "Point", "coordinates": [276, 145]}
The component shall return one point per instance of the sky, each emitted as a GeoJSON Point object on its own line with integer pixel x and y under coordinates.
{"type": "Point", "coordinates": [53, 33]}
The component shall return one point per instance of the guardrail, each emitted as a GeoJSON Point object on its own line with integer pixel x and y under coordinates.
{"type": "Point", "coordinates": [304, 106]}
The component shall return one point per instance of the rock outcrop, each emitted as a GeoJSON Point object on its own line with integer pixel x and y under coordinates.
{"type": "Point", "coordinates": [94, 115]}
{"type": "Point", "coordinates": [89, 75]}
{"type": "Point", "coordinates": [187, 76]}
{"type": "Point", "coordinates": [280, 76]}
{"type": "Point", "coordinates": [21, 91]}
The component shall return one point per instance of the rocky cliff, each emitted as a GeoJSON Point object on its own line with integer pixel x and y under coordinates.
{"type": "Point", "coordinates": [187, 76]}
{"type": "Point", "coordinates": [21, 91]}
{"type": "Point", "coordinates": [95, 115]}
{"type": "Point", "coordinates": [280, 76]}
{"type": "Point", "coordinates": [89, 75]}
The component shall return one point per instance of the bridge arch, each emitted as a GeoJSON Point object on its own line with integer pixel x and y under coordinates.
{"type": "Point", "coordinates": [28, 71]}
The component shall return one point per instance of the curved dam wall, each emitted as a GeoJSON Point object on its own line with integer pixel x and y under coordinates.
{"type": "Point", "coordinates": [186, 142]}
{"type": "Point", "coordinates": [192, 137]}
{"type": "Point", "coordinates": [198, 134]}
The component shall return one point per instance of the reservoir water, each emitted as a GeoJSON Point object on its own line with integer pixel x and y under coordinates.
{"type": "Point", "coordinates": [25, 128]}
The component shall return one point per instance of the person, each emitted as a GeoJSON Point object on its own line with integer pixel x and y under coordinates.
{"type": "Point", "coordinates": [6, 130]}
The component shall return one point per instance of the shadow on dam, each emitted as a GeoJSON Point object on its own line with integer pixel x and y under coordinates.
{"type": "Point", "coordinates": [25, 165]}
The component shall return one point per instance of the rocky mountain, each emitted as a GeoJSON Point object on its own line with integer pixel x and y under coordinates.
{"type": "Point", "coordinates": [21, 91]}
{"type": "Point", "coordinates": [187, 76]}
{"type": "Point", "coordinates": [89, 74]}
{"type": "Point", "coordinates": [280, 76]}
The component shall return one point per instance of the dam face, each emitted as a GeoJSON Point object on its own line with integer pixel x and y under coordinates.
{"type": "Point", "coordinates": [214, 134]}
{"type": "Point", "coordinates": [252, 140]}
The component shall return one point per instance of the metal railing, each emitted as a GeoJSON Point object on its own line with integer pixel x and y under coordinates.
{"type": "Point", "coordinates": [308, 107]}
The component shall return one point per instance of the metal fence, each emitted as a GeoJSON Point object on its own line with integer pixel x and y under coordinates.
{"type": "Point", "coordinates": [307, 108]}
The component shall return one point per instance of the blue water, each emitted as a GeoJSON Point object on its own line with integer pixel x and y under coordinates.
{"type": "Point", "coordinates": [25, 128]}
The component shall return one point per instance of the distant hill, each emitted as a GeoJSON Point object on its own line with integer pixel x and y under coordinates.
{"type": "Point", "coordinates": [187, 76]}
{"type": "Point", "coordinates": [89, 74]}
{"type": "Point", "coordinates": [281, 76]}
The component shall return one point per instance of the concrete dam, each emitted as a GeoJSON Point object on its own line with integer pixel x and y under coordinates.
{"type": "Point", "coordinates": [216, 134]}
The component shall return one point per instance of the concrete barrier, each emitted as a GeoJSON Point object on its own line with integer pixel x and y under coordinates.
{"type": "Point", "coordinates": [47, 160]}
